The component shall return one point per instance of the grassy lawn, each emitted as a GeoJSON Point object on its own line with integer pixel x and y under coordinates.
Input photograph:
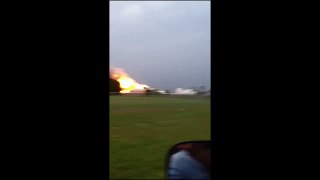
{"type": "Point", "coordinates": [143, 128]}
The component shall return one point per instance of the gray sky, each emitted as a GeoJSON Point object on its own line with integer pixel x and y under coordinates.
{"type": "Point", "coordinates": [163, 44]}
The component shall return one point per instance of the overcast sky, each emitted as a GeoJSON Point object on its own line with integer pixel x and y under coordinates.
{"type": "Point", "coordinates": [163, 44]}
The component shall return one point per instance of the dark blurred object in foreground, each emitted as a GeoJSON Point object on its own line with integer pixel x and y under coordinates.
{"type": "Point", "coordinates": [189, 160]}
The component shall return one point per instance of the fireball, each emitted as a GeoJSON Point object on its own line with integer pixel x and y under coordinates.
{"type": "Point", "coordinates": [127, 84]}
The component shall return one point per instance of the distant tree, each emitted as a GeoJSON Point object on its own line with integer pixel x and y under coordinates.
{"type": "Point", "coordinates": [152, 92]}
{"type": "Point", "coordinates": [148, 91]}
{"type": "Point", "coordinates": [114, 86]}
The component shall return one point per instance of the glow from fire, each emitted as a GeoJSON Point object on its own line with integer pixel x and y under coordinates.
{"type": "Point", "coordinates": [127, 83]}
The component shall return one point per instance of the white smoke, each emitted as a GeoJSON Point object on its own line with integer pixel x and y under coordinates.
{"type": "Point", "coordinates": [185, 91]}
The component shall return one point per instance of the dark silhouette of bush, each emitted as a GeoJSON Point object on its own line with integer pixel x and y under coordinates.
{"type": "Point", "coordinates": [151, 92]}
{"type": "Point", "coordinates": [148, 91]}
{"type": "Point", "coordinates": [114, 86]}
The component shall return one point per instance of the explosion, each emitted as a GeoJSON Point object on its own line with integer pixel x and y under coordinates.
{"type": "Point", "coordinates": [127, 84]}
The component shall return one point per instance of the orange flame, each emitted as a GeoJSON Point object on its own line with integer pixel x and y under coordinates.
{"type": "Point", "coordinates": [127, 83]}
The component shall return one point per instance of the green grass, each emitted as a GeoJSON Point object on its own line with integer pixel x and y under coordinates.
{"type": "Point", "coordinates": [142, 129]}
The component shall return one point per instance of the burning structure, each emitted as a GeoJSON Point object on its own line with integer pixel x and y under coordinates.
{"type": "Point", "coordinates": [127, 84]}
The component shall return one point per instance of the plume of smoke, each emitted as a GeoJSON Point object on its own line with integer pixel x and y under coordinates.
{"type": "Point", "coordinates": [116, 72]}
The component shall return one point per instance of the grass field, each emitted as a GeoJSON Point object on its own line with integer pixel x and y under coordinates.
{"type": "Point", "coordinates": [142, 129]}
